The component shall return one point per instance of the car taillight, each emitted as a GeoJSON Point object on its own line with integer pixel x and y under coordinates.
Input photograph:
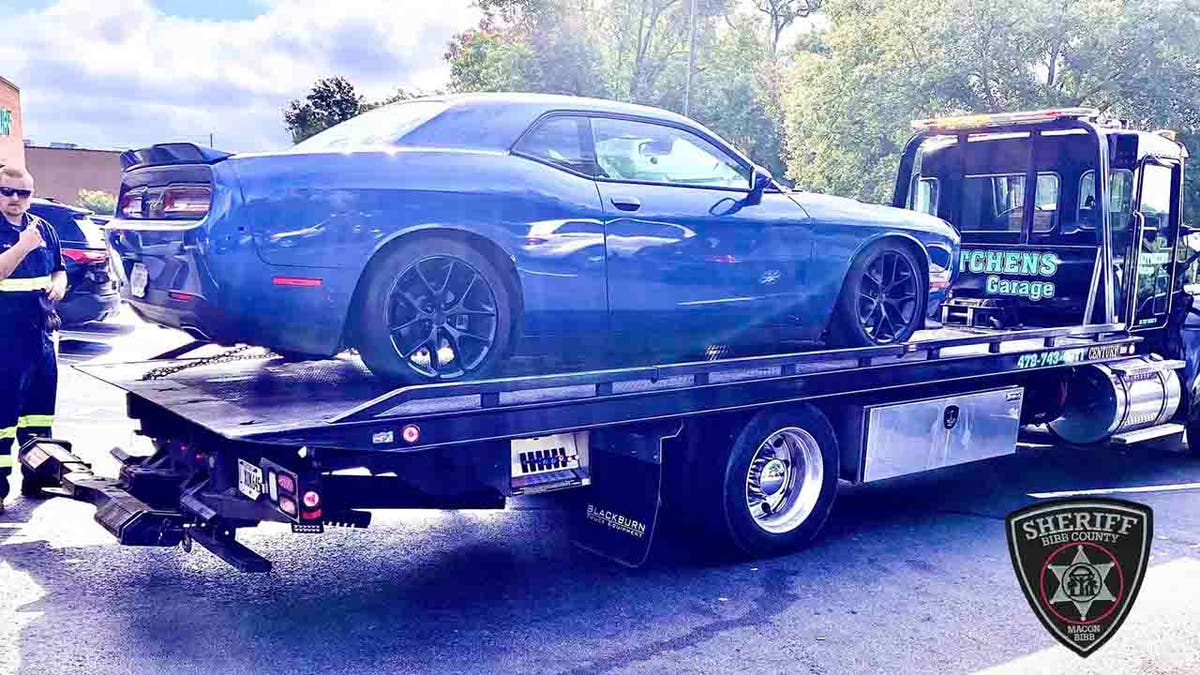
{"type": "Point", "coordinates": [84, 257]}
{"type": "Point", "coordinates": [130, 206]}
{"type": "Point", "coordinates": [184, 201]}
{"type": "Point", "coordinates": [287, 484]}
{"type": "Point", "coordinates": [311, 500]}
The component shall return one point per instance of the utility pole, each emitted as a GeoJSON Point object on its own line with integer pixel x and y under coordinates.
{"type": "Point", "coordinates": [210, 140]}
{"type": "Point", "coordinates": [687, 89]}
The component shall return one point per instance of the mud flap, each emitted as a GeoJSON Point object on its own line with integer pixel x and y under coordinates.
{"type": "Point", "coordinates": [617, 514]}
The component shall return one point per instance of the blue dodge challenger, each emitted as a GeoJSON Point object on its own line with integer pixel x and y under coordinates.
{"type": "Point", "coordinates": [442, 235]}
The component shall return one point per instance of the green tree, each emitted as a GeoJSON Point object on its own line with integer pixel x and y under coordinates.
{"type": "Point", "coordinates": [633, 50]}
{"type": "Point", "coordinates": [99, 201]}
{"type": "Point", "coordinates": [332, 100]}
{"type": "Point", "coordinates": [848, 101]}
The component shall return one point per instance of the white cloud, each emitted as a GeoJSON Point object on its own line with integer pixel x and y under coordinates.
{"type": "Point", "coordinates": [120, 73]}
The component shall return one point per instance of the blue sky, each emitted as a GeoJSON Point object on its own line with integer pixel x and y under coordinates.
{"type": "Point", "coordinates": [125, 73]}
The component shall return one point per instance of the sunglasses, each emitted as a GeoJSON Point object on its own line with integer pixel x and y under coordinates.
{"type": "Point", "coordinates": [21, 194]}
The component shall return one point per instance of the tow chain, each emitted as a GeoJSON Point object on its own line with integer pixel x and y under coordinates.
{"type": "Point", "coordinates": [229, 356]}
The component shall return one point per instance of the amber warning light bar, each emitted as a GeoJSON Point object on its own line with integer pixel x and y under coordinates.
{"type": "Point", "coordinates": [1002, 119]}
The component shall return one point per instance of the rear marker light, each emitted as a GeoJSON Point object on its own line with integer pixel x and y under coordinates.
{"type": "Point", "coordinates": [287, 506]}
{"type": "Point", "coordinates": [311, 515]}
{"type": "Point", "coordinates": [181, 296]}
{"type": "Point", "coordinates": [83, 257]}
{"type": "Point", "coordinates": [297, 282]}
{"type": "Point", "coordinates": [411, 433]}
{"type": "Point", "coordinates": [287, 484]}
{"type": "Point", "coordinates": [311, 500]}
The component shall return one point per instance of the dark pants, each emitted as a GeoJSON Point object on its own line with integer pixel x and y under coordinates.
{"type": "Point", "coordinates": [28, 387]}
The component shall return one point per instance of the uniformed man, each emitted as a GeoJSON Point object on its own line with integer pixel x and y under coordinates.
{"type": "Point", "coordinates": [32, 279]}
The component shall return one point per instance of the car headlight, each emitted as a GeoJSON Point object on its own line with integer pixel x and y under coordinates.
{"type": "Point", "coordinates": [941, 269]}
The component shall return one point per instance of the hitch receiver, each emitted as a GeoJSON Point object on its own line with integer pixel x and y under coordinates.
{"type": "Point", "coordinates": [51, 464]}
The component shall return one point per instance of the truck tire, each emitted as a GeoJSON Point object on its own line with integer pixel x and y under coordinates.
{"type": "Point", "coordinates": [774, 489]}
{"type": "Point", "coordinates": [883, 298]}
{"type": "Point", "coordinates": [434, 309]}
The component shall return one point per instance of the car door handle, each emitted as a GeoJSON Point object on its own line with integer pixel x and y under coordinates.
{"type": "Point", "coordinates": [626, 203]}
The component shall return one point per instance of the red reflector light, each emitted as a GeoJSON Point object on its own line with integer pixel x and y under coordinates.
{"type": "Point", "coordinates": [84, 257]}
{"type": "Point", "coordinates": [287, 506]}
{"type": "Point", "coordinates": [311, 515]}
{"type": "Point", "coordinates": [287, 483]}
{"type": "Point", "coordinates": [182, 296]}
{"type": "Point", "coordinates": [311, 500]}
{"type": "Point", "coordinates": [411, 433]}
{"type": "Point", "coordinates": [296, 281]}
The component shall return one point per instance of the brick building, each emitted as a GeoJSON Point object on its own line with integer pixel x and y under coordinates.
{"type": "Point", "coordinates": [12, 141]}
{"type": "Point", "coordinates": [62, 170]}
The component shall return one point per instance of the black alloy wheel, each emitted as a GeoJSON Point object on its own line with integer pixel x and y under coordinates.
{"type": "Point", "coordinates": [442, 317]}
{"type": "Point", "coordinates": [887, 297]}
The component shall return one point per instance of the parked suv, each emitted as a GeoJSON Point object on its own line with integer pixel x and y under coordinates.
{"type": "Point", "coordinates": [92, 293]}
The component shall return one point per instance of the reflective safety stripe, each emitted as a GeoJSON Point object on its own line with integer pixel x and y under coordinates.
{"type": "Point", "coordinates": [27, 284]}
{"type": "Point", "coordinates": [6, 461]}
{"type": "Point", "coordinates": [8, 432]}
{"type": "Point", "coordinates": [35, 421]}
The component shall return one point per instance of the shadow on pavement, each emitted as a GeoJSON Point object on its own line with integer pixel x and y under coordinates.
{"type": "Point", "coordinates": [904, 570]}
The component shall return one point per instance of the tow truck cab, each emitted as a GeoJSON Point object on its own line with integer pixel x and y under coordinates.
{"type": "Point", "coordinates": [1025, 192]}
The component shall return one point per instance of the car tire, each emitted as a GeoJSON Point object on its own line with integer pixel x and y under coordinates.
{"type": "Point", "coordinates": [440, 290]}
{"type": "Point", "coordinates": [883, 298]}
{"type": "Point", "coordinates": [741, 512]}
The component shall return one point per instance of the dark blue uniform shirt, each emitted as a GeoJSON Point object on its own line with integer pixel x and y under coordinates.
{"type": "Point", "coordinates": [21, 314]}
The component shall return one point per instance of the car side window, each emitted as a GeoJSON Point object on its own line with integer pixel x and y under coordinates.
{"type": "Point", "coordinates": [563, 141]}
{"type": "Point", "coordinates": [640, 151]}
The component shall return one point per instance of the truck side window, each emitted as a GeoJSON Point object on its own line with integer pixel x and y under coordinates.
{"type": "Point", "coordinates": [1120, 199]}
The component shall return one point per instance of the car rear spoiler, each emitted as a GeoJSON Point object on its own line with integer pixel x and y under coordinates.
{"type": "Point", "coordinates": [170, 153]}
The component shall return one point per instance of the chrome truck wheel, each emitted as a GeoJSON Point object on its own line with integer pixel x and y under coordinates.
{"type": "Point", "coordinates": [772, 487]}
{"type": "Point", "coordinates": [784, 480]}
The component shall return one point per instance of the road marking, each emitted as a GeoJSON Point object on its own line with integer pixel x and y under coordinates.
{"type": "Point", "coordinates": [1101, 491]}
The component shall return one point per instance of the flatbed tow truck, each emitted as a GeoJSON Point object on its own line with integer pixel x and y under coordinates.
{"type": "Point", "coordinates": [752, 450]}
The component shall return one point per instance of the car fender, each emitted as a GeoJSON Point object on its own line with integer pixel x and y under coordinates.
{"type": "Point", "coordinates": [475, 232]}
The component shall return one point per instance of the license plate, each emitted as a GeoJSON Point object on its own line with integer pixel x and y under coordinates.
{"type": "Point", "coordinates": [138, 278]}
{"type": "Point", "coordinates": [250, 479]}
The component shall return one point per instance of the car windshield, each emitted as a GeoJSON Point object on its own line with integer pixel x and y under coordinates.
{"type": "Point", "coordinates": [380, 127]}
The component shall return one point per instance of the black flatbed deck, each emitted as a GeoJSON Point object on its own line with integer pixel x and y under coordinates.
{"type": "Point", "coordinates": [337, 403]}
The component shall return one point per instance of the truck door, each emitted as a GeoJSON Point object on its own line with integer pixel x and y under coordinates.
{"type": "Point", "coordinates": [1148, 262]}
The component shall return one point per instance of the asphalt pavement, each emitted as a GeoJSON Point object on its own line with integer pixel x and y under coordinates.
{"type": "Point", "coordinates": [910, 576]}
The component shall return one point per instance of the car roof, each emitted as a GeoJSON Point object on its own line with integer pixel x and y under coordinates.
{"type": "Point", "coordinates": [494, 121]}
{"type": "Point", "coordinates": [50, 203]}
{"type": "Point", "coordinates": [542, 103]}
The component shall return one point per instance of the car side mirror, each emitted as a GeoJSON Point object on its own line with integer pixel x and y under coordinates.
{"type": "Point", "coordinates": [760, 180]}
